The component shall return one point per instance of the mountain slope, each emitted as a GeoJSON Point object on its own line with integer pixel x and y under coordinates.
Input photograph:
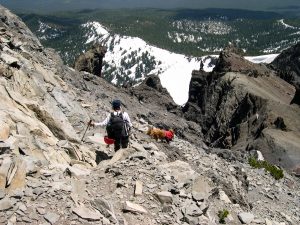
{"type": "Point", "coordinates": [245, 106]}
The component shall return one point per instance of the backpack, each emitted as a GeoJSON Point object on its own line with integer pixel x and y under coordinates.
{"type": "Point", "coordinates": [116, 126]}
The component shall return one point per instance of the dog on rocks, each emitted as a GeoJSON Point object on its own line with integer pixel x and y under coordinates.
{"type": "Point", "coordinates": [159, 134]}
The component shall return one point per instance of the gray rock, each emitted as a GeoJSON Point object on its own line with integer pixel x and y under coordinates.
{"type": "Point", "coordinates": [22, 207]}
{"type": "Point", "coordinates": [2, 194]}
{"type": "Point", "coordinates": [9, 59]}
{"type": "Point", "coordinates": [201, 189]}
{"type": "Point", "coordinates": [19, 193]}
{"type": "Point", "coordinates": [147, 147]}
{"type": "Point", "coordinates": [77, 172]}
{"type": "Point", "coordinates": [28, 192]}
{"type": "Point", "coordinates": [140, 155]}
{"type": "Point", "coordinates": [192, 210]}
{"type": "Point", "coordinates": [5, 204]}
{"type": "Point", "coordinates": [41, 211]}
{"type": "Point", "coordinates": [165, 197]}
{"type": "Point", "coordinates": [223, 197]}
{"type": "Point", "coordinates": [151, 186]}
{"type": "Point", "coordinates": [38, 191]}
{"type": "Point", "coordinates": [87, 213]}
{"type": "Point", "coordinates": [138, 147]}
{"type": "Point", "coordinates": [105, 208]}
{"type": "Point", "coordinates": [30, 164]}
{"type": "Point", "coordinates": [52, 218]}
{"type": "Point", "coordinates": [132, 207]}
{"type": "Point", "coordinates": [245, 217]}
{"type": "Point", "coordinates": [138, 188]}
{"type": "Point", "coordinates": [181, 171]}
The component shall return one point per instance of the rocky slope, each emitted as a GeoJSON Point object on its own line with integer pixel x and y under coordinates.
{"type": "Point", "coordinates": [239, 106]}
{"type": "Point", "coordinates": [49, 176]}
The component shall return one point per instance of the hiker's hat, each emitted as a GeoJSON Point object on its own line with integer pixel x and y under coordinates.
{"type": "Point", "coordinates": [116, 104]}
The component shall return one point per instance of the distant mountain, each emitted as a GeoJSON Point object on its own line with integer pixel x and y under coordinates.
{"type": "Point", "coordinates": [131, 57]}
{"type": "Point", "coordinates": [189, 32]}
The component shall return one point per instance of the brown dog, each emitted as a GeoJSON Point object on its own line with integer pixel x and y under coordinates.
{"type": "Point", "coordinates": [159, 134]}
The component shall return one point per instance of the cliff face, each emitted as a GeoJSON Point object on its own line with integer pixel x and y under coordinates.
{"type": "Point", "coordinates": [237, 106]}
{"type": "Point", "coordinates": [287, 65]}
{"type": "Point", "coordinates": [34, 99]}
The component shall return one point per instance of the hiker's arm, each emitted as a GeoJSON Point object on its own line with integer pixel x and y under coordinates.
{"type": "Point", "coordinates": [104, 122]}
{"type": "Point", "coordinates": [126, 117]}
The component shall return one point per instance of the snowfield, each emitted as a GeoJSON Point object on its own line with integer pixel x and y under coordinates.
{"type": "Point", "coordinates": [174, 70]}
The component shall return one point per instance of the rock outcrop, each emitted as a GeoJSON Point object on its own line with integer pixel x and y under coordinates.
{"type": "Point", "coordinates": [287, 65]}
{"type": "Point", "coordinates": [92, 60]}
{"type": "Point", "coordinates": [49, 176]}
{"type": "Point", "coordinates": [231, 60]}
{"type": "Point", "coordinates": [151, 90]}
{"type": "Point", "coordinates": [237, 106]}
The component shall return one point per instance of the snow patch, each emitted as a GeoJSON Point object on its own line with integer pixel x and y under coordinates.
{"type": "Point", "coordinates": [286, 25]}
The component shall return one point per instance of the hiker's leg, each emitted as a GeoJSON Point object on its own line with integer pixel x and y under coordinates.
{"type": "Point", "coordinates": [125, 141]}
{"type": "Point", "coordinates": [117, 144]}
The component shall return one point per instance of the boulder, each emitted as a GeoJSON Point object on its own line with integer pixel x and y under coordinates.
{"type": "Point", "coordinates": [87, 213]}
{"type": "Point", "coordinates": [181, 171]}
{"type": "Point", "coordinates": [51, 217]}
{"type": "Point", "coordinates": [118, 156]}
{"type": "Point", "coordinates": [135, 208]}
{"type": "Point", "coordinates": [200, 189]}
{"type": "Point", "coordinates": [10, 60]}
{"type": "Point", "coordinates": [5, 204]}
{"type": "Point", "coordinates": [106, 209]}
{"type": "Point", "coordinates": [223, 197]}
{"type": "Point", "coordinates": [246, 217]}
{"type": "Point", "coordinates": [165, 197]}
{"type": "Point", "coordinates": [77, 172]}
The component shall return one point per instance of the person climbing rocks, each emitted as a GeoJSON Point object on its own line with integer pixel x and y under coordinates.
{"type": "Point", "coordinates": [118, 125]}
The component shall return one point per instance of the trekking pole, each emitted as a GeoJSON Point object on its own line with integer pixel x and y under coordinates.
{"type": "Point", "coordinates": [86, 129]}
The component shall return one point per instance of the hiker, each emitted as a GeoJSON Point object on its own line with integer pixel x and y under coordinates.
{"type": "Point", "coordinates": [118, 125]}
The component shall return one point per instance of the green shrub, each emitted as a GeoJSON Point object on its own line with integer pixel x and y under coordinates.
{"type": "Point", "coordinates": [276, 172]}
{"type": "Point", "coordinates": [222, 215]}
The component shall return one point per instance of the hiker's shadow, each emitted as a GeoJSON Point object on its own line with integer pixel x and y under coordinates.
{"type": "Point", "coordinates": [100, 156]}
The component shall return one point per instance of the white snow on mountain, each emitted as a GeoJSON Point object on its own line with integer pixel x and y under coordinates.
{"type": "Point", "coordinates": [262, 58]}
{"type": "Point", "coordinates": [131, 58]}
{"type": "Point", "coordinates": [286, 25]}
{"type": "Point", "coordinates": [182, 37]}
{"type": "Point", "coordinates": [47, 32]}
